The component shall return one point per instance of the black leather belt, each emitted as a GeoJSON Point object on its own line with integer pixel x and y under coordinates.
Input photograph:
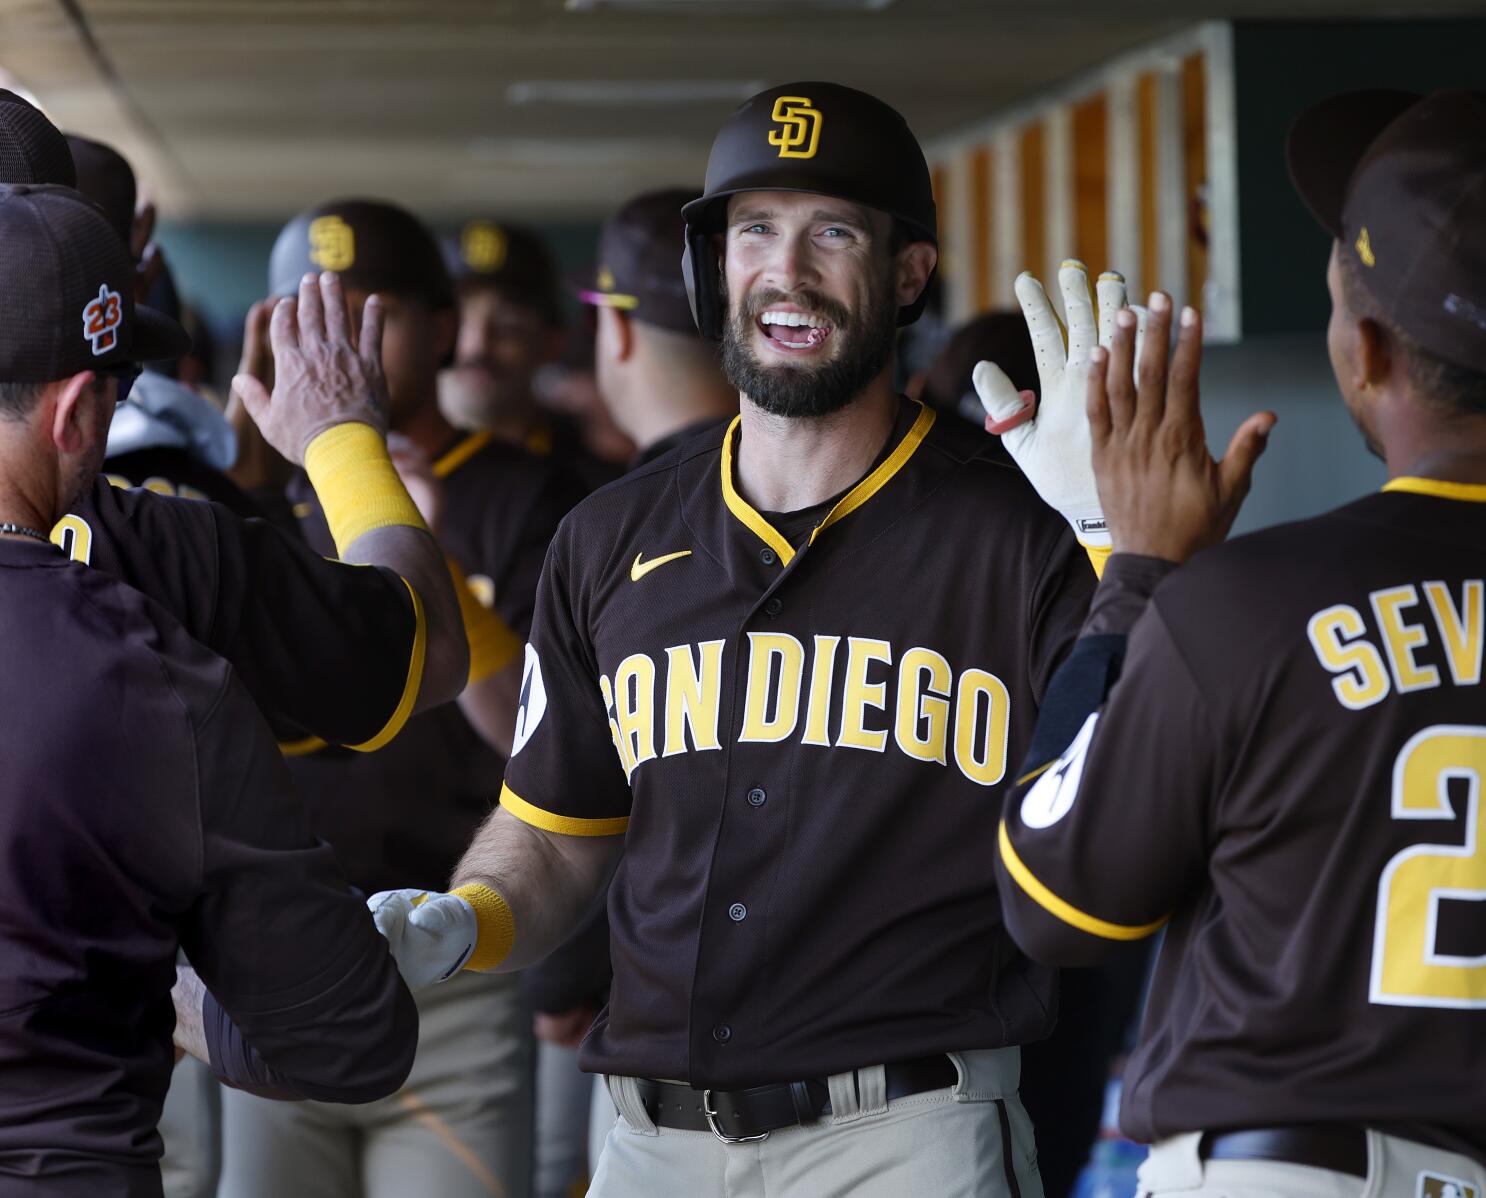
{"type": "Point", "coordinates": [738, 1116]}
{"type": "Point", "coordinates": [1340, 1149]}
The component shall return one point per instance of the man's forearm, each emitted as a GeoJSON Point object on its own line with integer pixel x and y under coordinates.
{"type": "Point", "coordinates": [547, 880]}
{"type": "Point", "coordinates": [188, 994]}
{"type": "Point", "coordinates": [491, 704]}
{"type": "Point", "coordinates": [414, 555]}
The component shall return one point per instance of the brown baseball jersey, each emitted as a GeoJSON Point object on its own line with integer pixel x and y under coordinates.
{"type": "Point", "coordinates": [1288, 777]}
{"type": "Point", "coordinates": [803, 740]}
{"type": "Point", "coordinates": [403, 815]}
{"type": "Point", "coordinates": [145, 809]}
{"type": "Point", "coordinates": [324, 648]}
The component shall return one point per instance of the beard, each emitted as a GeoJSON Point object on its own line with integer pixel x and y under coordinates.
{"type": "Point", "coordinates": [864, 346]}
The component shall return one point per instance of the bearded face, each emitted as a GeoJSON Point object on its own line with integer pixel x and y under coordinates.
{"type": "Point", "coordinates": [812, 309]}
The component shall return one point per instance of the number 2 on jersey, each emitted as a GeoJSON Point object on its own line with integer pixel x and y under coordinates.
{"type": "Point", "coordinates": [1408, 969]}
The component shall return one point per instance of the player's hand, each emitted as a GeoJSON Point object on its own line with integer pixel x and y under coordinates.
{"type": "Point", "coordinates": [430, 936]}
{"type": "Point", "coordinates": [323, 376]}
{"type": "Point", "coordinates": [1163, 494]}
{"type": "Point", "coordinates": [1050, 439]}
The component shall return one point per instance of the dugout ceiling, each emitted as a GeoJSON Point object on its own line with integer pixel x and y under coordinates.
{"type": "Point", "coordinates": [254, 108]}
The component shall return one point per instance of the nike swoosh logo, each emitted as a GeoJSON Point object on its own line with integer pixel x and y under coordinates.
{"type": "Point", "coordinates": [640, 569]}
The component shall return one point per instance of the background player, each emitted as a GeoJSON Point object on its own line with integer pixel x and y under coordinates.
{"type": "Point", "coordinates": [661, 382]}
{"type": "Point", "coordinates": [462, 1125]}
{"type": "Point", "coordinates": [1293, 753]}
{"type": "Point", "coordinates": [809, 736]}
{"type": "Point", "coordinates": [510, 328]}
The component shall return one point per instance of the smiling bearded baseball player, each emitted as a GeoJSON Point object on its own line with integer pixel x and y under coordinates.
{"type": "Point", "coordinates": [1287, 774]}
{"type": "Point", "coordinates": [780, 675]}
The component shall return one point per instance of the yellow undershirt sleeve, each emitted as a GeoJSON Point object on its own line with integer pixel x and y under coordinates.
{"type": "Point", "coordinates": [1098, 556]}
{"type": "Point", "coordinates": [493, 645]}
{"type": "Point", "coordinates": [357, 483]}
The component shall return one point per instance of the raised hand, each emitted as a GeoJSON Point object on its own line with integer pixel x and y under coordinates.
{"type": "Point", "coordinates": [322, 376]}
{"type": "Point", "coordinates": [1162, 493]}
{"type": "Point", "coordinates": [1050, 438]}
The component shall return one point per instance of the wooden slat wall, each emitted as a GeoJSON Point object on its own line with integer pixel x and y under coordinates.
{"type": "Point", "coordinates": [1124, 168]}
{"type": "Point", "coordinates": [1091, 184]}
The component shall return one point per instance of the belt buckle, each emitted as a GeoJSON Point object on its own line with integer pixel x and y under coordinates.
{"type": "Point", "coordinates": [711, 1117]}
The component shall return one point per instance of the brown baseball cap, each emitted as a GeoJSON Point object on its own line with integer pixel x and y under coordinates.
{"type": "Point", "coordinates": [372, 245]}
{"type": "Point", "coordinates": [105, 177]}
{"type": "Point", "coordinates": [32, 149]}
{"type": "Point", "coordinates": [509, 258]}
{"type": "Point", "coordinates": [639, 266]}
{"type": "Point", "coordinates": [67, 291]}
{"type": "Point", "coordinates": [1399, 180]}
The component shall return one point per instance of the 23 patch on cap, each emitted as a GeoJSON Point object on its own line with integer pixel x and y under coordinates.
{"type": "Point", "coordinates": [101, 320]}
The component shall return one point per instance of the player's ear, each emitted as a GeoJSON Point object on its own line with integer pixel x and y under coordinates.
{"type": "Point", "coordinates": [1377, 356]}
{"type": "Point", "coordinates": [68, 410]}
{"type": "Point", "coordinates": [914, 264]}
{"type": "Point", "coordinates": [616, 335]}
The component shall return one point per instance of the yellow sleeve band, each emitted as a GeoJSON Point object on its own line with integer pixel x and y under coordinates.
{"type": "Point", "coordinates": [496, 923]}
{"type": "Point", "coordinates": [357, 484]}
{"type": "Point", "coordinates": [1098, 556]}
{"type": "Point", "coordinates": [1065, 911]}
{"type": "Point", "coordinates": [562, 825]}
{"type": "Point", "coordinates": [493, 646]}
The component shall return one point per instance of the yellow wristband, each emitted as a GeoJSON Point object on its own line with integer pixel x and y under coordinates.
{"type": "Point", "coordinates": [357, 484]}
{"type": "Point", "coordinates": [1098, 557]}
{"type": "Point", "coordinates": [496, 923]}
{"type": "Point", "coordinates": [493, 646]}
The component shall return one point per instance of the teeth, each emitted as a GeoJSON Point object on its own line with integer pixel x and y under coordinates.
{"type": "Point", "coordinates": [793, 320]}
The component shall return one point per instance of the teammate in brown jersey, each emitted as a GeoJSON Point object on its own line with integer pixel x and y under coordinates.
{"type": "Point", "coordinates": [462, 1123]}
{"type": "Point", "coordinates": [780, 675]}
{"type": "Point", "coordinates": [1288, 774]}
{"type": "Point", "coordinates": [146, 807]}
{"type": "Point", "coordinates": [326, 649]}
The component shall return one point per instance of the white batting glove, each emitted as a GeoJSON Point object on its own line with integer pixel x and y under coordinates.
{"type": "Point", "coordinates": [431, 936]}
{"type": "Point", "coordinates": [1051, 442]}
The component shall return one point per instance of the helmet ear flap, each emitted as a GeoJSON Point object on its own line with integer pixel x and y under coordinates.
{"type": "Point", "coordinates": [699, 268]}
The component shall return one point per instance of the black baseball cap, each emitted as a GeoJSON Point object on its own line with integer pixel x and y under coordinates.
{"type": "Point", "coordinates": [105, 177]}
{"type": "Point", "coordinates": [372, 245]}
{"type": "Point", "coordinates": [639, 266]}
{"type": "Point", "coordinates": [509, 258]}
{"type": "Point", "coordinates": [814, 137]}
{"type": "Point", "coordinates": [1399, 180]}
{"type": "Point", "coordinates": [32, 149]}
{"type": "Point", "coordinates": [67, 291]}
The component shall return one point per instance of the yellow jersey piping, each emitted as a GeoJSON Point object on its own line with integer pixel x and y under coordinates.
{"type": "Point", "coordinates": [412, 684]}
{"type": "Point", "coordinates": [1439, 488]}
{"type": "Point", "coordinates": [848, 503]}
{"type": "Point", "coordinates": [461, 453]}
{"type": "Point", "coordinates": [1065, 911]}
{"type": "Point", "coordinates": [563, 825]}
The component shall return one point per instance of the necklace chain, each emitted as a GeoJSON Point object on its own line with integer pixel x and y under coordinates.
{"type": "Point", "coordinates": [22, 531]}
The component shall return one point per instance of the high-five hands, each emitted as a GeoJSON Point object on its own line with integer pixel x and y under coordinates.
{"type": "Point", "coordinates": [430, 936]}
{"type": "Point", "coordinates": [1050, 439]}
{"type": "Point", "coordinates": [1162, 493]}
{"type": "Point", "coordinates": [323, 376]}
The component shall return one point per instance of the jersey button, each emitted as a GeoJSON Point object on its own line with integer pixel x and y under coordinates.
{"type": "Point", "coordinates": [767, 556]}
{"type": "Point", "coordinates": [722, 1033]}
{"type": "Point", "coordinates": [737, 912]}
{"type": "Point", "coordinates": [773, 607]}
{"type": "Point", "coordinates": [756, 797]}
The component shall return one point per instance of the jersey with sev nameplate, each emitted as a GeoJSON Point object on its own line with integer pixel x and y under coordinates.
{"type": "Point", "coordinates": [804, 747]}
{"type": "Point", "coordinates": [321, 646]}
{"type": "Point", "coordinates": [1290, 769]}
{"type": "Point", "coordinates": [401, 816]}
